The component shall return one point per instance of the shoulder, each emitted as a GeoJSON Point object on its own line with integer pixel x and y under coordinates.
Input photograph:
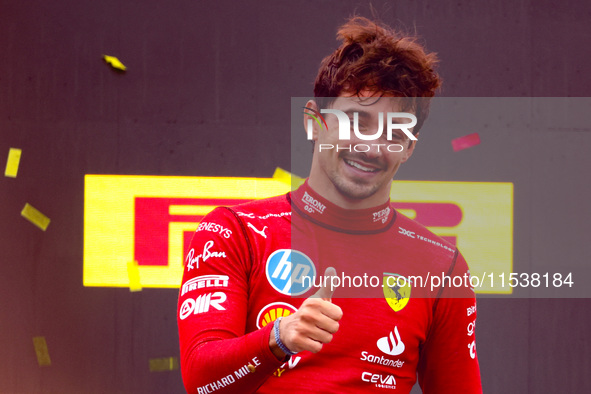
{"type": "Point", "coordinates": [435, 255]}
{"type": "Point", "coordinates": [254, 219]}
{"type": "Point", "coordinates": [237, 231]}
{"type": "Point", "coordinates": [256, 209]}
{"type": "Point", "coordinates": [422, 236]}
{"type": "Point", "coordinates": [273, 207]}
{"type": "Point", "coordinates": [432, 251]}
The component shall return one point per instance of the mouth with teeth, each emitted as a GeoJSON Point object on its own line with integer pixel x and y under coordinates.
{"type": "Point", "coordinates": [360, 166]}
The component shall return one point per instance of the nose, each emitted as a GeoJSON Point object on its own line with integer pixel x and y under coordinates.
{"type": "Point", "coordinates": [375, 151]}
{"type": "Point", "coordinates": [369, 149]}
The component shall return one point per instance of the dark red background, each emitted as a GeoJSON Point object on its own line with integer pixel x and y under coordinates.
{"type": "Point", "coordinates": [207, 93]}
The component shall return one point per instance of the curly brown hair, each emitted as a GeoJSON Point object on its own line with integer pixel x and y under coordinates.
{"type": "Point", "coordinates": [378, 58]}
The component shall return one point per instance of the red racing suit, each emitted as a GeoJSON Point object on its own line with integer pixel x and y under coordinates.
{"type": "Point", "coordinates": [408, 309]}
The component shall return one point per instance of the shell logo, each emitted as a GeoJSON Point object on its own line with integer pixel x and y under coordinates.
{"type": "Point", "coordinates": [272, 311]}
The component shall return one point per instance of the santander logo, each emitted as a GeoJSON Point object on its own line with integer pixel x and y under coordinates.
{"type": "Point", "coordinates": [392, 345]}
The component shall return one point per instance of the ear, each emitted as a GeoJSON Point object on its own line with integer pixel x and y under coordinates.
{"type": "Point", "coordinates": [311, 120]}
{"type": "Point", "coordinates": [409, 151]}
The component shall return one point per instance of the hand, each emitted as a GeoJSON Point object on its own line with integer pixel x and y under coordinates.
{"type": "Point", "coordinates": [312, 325]}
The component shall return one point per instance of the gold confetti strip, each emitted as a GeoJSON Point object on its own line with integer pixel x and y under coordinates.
{"type": "Point", "coordinates": [134, 276]}
{"type": "Point", "coordinates": [41, 351]}
{"type": "Point", "coordinates": [164, 364]}
{"type": "Point", "coordinates": [114, 62]}
{"type": "Point", "coordinates": [35, 217]}
{"type": "Point", "coordinates": [14, 158]}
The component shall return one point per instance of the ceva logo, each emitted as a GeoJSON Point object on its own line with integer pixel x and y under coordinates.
{"type": "Point", "coordinates": [385, 381]}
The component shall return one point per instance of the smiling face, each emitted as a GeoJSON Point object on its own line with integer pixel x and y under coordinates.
{"type": "Point", "coordinates": [359, 173]}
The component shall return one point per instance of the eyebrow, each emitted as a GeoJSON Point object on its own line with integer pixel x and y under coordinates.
{"type": "Point", "coordinates": [362, 113]}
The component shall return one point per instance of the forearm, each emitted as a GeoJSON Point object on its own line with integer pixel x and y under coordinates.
{"type": "Point", "coordinates": [240, 364]}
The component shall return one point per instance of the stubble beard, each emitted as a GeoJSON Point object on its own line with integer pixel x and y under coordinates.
{"type": "Point", "coordinates": [354, 190]}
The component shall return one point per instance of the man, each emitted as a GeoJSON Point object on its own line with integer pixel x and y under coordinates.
{"type": "Point", "coordinates": [254, 311]}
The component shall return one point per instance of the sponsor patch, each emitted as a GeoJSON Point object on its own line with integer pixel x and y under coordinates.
{"type": "Point", "coordinates": [406, 232]}
{"type": "Point", "coordinates": [291, 364]}
{"type": "Point", "coordinates": [472, 349]}
{"type": "Point", "coordinates": [382, 215]}
{"type": "Point", "coordinates": [381, 360]}
{"type": "Point", "coordinates": [397, 291]}
{"type": "Point", "coordinates": [470, 328]}
{"type": "Point", "coordinates": [203, 281]}
{"type": "Point", "coordinates": [256, 230]}
{"type": "Point", "coordinates": [392, 344]}
{"type": "Point", "coordinates": [312, 205]}
{"type": "Point", "coordinates": [286, 270]}
{"type": "Point", "coordinates": [227, 380]}
{"type": "Point", "coordinates": [272, 311]}
{"type": "Point", "coordinates": [193, 262]}
{"type": "Point", "coordinates": [381, 381]}
{"type": "Point", "coordinates": [202, 304]}
{"type": "Point", "coordinates": [215, 228]}
{"type": "Point", "coordinates": [267, 216]}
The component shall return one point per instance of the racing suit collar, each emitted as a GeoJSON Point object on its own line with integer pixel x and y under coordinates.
{"type": "Point", "coordinates": [306, 202]}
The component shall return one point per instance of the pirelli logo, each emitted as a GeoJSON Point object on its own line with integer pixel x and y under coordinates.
{"type": "Point", "coordinates": [151, 219]}
{"type": "Point", "coordinates": [205, 281]}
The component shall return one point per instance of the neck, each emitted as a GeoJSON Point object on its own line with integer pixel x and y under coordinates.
{"type": "Point", "coordinates": [308, 203]}
{"type": "Point", "coordinates": [326, 189]}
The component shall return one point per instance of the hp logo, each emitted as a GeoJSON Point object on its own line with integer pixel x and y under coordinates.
{"type": "Point", "coordinates": [286, 270]}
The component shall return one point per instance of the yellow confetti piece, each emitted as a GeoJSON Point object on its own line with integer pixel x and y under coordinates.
{"type": "Point", "coordinates": [35, 217]}
{"type": "Point", "coordinates": [164, 364]}
{"type": "Point", "coordinates": [134, 276]}
{"type": "Point", "coordinates": [114, 62]}
{"type": "Point", "coordinates": [41, 350]}
{"type": "Point", "coordinates": [286, 177]}
{"type": "Point", "coordinates": [14, 158]}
